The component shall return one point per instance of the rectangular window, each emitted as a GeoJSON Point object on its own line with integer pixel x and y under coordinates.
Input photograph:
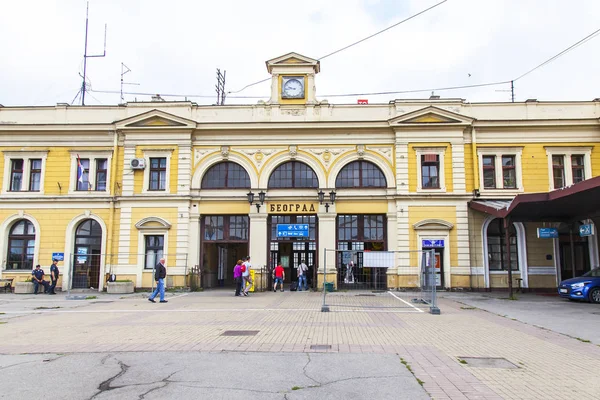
{"type": "Point", "coordinates": [558, 171]}
{"type": "Point", "coordinates": [16, 175]}
{"type": "Point", "coordinates": [430, 167]}
{"type": "Point", "coordinates": [577, 168]}
{"type": "Point", "coordinates": [158, 173]}
{"type": "Point", "coordinates": [154, 250]}
{"type": "Point", "coordinates": [35, 174]}
{"type": "Point", "coordinates": [101, 170]}
{"type": "Point", "coordinates": [509, 173]}
{"type": "Point", "coordinates": [489, 172]}
{"type": "Point", "coordinates": [83, 174]}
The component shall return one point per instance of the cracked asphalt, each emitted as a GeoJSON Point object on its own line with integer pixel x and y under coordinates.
{"type": "Point", "coordinates": [375, 346]}
{"type": "Point", "coordinates": [223, 375]}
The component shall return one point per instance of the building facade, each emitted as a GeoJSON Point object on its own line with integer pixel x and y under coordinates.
{"type": "Point", "coordinates": [111, 189]}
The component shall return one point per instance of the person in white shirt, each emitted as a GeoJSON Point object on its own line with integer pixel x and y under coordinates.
{"type": "Point", "coordinates": [246, 278]}
{"type": "Point", "coordinates": [302, 269]}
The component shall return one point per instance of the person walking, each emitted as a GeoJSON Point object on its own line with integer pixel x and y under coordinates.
{"type": "Point", "coordinates": [53, 276]}
{"type": "Point", "coordinates": [37, 276]}
{"type": "Point", "coordinates": [246, 277]}
{"type": "Point", "coordinates": [302, 268]}
{"type": "Point", "coordinates": [279, 275]}
{"type": "Point", "coordinates": [160, 274]}
{"type": "Point", "coordinates": [237, 277]}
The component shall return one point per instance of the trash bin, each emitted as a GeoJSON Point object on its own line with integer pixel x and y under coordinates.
{"type": "Point", "coordinates": [329, 286]}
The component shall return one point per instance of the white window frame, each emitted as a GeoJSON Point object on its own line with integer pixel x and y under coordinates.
{"type": "Point", "coordinates": [440, 151]}
{"type": "Point", "coordinates": [141, 259]}
{"type": "Point", "coordinates": [498, 152]}
{"type": "Point", "coordinates": [154, 153]}
{"type": "Point", "coordinates": [92, 156]}
{"type": "Point", "coordinates": [567, 152]}
{"type": "Point", "coordinates": [26, 156]}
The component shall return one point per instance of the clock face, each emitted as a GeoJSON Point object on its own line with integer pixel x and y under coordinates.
{"type": "Point", "coordinates": [293, 88]}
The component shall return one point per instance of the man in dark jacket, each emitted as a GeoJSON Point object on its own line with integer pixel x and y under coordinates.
{"type": "Point", "coordinates": [160, 274]}
{"type": "Point", "coordinates": [53, 276]}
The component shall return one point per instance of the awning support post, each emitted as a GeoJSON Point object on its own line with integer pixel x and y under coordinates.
{"type": "Point", "coordinates": [507, 241]}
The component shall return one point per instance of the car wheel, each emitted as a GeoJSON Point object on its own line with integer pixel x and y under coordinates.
{"type": "Point", "coordinates": [595, 295]}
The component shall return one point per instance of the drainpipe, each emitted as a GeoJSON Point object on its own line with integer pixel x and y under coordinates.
{"type": "Point", "coordinates": [111, 211]}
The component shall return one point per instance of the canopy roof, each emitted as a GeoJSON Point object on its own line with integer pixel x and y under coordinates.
{"type": "Point", "coordinates": [575, 202]}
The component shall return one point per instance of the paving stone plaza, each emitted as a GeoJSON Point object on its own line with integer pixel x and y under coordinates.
{"type": "Point", "coordinates": [464, 353]}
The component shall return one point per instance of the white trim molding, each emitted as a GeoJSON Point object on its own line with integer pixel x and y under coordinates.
{"type": "Point", "coordinates": [70, 247]}
{"type": "Point", "coordinates": [141, 224]}
{"type": "Point", "coordinates": [7, 224]}
{"type": "Point", "coordinates": [26, 156]}
{"type": "Point", "coordinates": [498, 152]}
{"type": "Point", "coordinates": [92, 156]}
{"type": "Point", "coordinates": [521, 253]}
{"type": "Point", "coordinates": [567, 152]}
{"type": "Point", "coordinates": [157, 153]}
{"type": "Point", "coordinates": [440, 151]}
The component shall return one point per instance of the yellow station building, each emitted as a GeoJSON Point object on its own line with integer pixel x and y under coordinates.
{"type": "Point", "coordinates": [114, 188]}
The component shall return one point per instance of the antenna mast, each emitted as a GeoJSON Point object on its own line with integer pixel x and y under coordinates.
{"type": "Point", "coordinates": [123, 72]}
{"type": "Point", "coordinates": [220, 87]}
{"type": "Point", "coordinates": [85, 56]}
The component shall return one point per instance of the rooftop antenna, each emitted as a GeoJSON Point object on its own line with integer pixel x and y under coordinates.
{"type": "Point", "coordinates": [512, 91]}
{"type": "Point", "coordinates": [125, 69]}
{"type": "Point", "coordinates": [86, 56]}
{"type": "Point", "coordinates": [220, 87]}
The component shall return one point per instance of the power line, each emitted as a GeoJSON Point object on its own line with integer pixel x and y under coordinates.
{"type": "Point", "coordinates": [381, 31]}
{"type": "Point", "coordinates": [580, 42]}
{"type": "Point", "coordinates": [353, 44]}
{"type": "Point", "coordinates": [511, 81]}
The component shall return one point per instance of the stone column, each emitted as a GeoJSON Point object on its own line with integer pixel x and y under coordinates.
{"type": "Point", "coordinates": [258, 241]}
{"type": "Point", "coordinates": [326, 241]}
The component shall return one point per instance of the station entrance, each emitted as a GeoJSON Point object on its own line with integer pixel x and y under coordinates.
{"type": "Point", "coordinates": [290, 251]}
{"type": "Point", "coordinates": [224, 241]}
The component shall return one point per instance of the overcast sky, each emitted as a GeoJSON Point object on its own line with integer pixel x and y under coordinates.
{"type": "Point", "coordinates": [174, 47]}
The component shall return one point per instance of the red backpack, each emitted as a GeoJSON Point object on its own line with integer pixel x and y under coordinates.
{"type": "Point", "coordinates": [243, 268]}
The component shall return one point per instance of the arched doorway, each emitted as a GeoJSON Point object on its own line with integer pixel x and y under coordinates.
{"type": "Point", "coordinates": [86, 254]}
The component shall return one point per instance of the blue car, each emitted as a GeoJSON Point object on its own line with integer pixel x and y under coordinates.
{"type": "Point", "coordinates": [584, 287]}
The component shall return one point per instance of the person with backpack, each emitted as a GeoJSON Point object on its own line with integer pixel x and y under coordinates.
{"type": "Point", "coordinates": [237, 277]}
{"type": "Point", "coordinates": [246, 277]}
{"type": "Point", "coordinates": [302, 268]}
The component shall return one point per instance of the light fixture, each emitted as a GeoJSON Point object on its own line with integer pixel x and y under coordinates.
{"type": "Point", "coordinates": [476, 193]}
{"type": "Point", "coordinates": [261, 199]}
{"type": "Point", "coordinates": [321, 196]}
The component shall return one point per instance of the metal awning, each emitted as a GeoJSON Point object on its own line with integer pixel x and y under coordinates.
{"type": "Point", "coordinates": [575, 202]}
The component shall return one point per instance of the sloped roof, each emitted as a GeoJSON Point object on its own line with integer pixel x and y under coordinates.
{"type": "Point", "coordinates": [575, 202]}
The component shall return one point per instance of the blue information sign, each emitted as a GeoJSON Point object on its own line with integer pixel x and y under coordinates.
{"type": "Point", "coordinates": [58, 256]}
{"type": "Point", "coordinates": [586, 230]}
{"type": "Point", "coordinates": [432, 243]}
{"type": "Point", "coordinates": [547, 233]}
{"type": "Point", "coordinates": [292, 230]}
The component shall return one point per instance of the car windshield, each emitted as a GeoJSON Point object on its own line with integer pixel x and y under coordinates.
{"type": "Point", "coordinates": [593, 273]}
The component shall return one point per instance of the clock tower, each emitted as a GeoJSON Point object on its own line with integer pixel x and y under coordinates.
{"type": "Point", "coordinates": [293, 79]}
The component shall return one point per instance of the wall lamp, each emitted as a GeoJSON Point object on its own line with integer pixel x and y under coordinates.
{"type": "Point", "coordinates": [321, 195]}
{"type": "Point", "coordinates": [261, 199]}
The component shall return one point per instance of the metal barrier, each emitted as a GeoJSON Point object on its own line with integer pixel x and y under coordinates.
{"type": "Point", "coordinates": [361, 277]}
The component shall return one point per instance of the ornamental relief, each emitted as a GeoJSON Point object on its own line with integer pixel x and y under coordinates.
{"type": "Point", "coordinates": [200, 153]}
{"type": "Point", "coordinates": [259, 156]}
{"type": "Point", "coordinates": [386, 152]}
{"type": "Point", "coordinates": [327, 155]}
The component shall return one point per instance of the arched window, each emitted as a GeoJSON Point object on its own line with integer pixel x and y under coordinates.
{"type": "Point", "coordinates": [226, 175]}
{"type": "Point", "coordinates": [496, 243]}
{"type": "Point", "coordinates": [21, 245]}
{"type": "Point", "coordinates": [88, 249]}
{"type": "Point", "coordinates": [360, 174]}
{"type": "Point", "coordinates": [293, 174]}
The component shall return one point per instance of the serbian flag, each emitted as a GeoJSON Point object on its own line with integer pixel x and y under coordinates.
{"type": "Point", "coordinates": [80, 170]}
